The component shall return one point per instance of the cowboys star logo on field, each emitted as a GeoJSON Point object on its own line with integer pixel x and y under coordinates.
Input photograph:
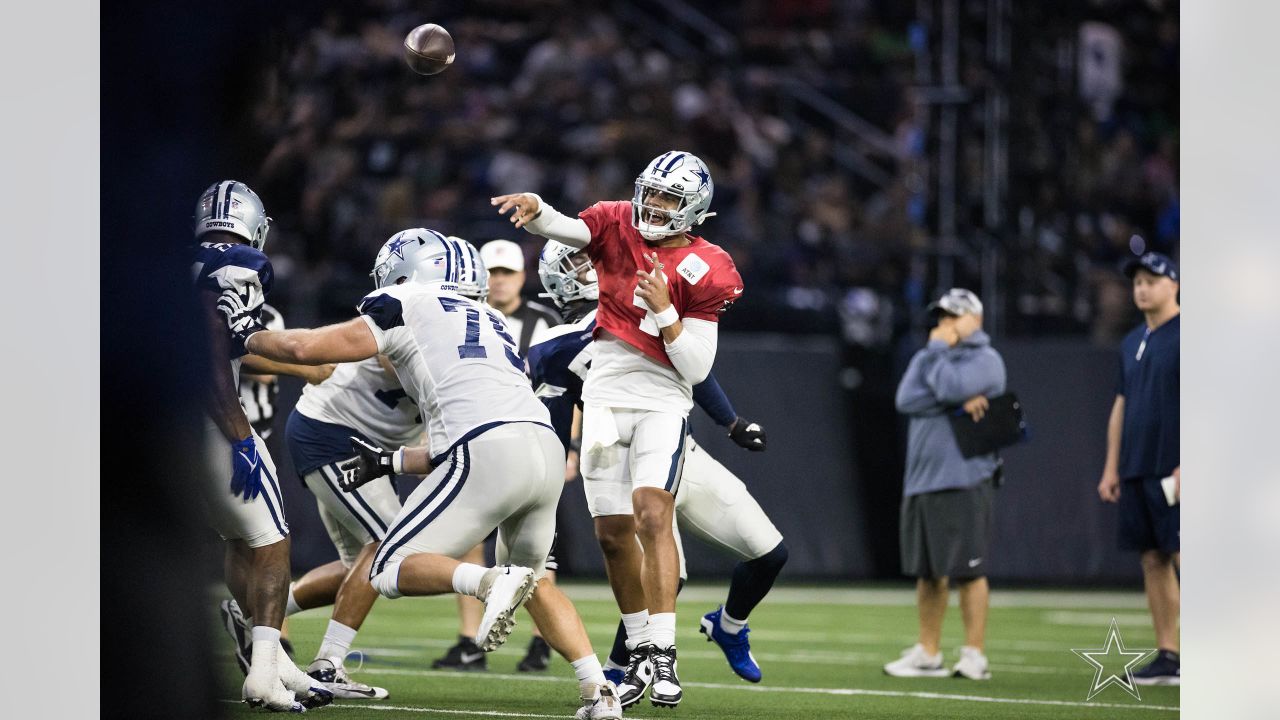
{"type": "Point", "coordinates": [1113, 664]}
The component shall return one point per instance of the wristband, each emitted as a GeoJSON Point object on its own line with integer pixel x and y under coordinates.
{"type": "Point", "coordinates": [397, 462]}
{"type": "Point", "coordinates": [667, 317]}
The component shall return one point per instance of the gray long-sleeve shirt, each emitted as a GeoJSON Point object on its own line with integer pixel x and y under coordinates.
{"type": "Point", "coordinates": [938, 380]}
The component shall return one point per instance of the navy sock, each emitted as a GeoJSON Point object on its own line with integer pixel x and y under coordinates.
{"type": "Point", "coordinates": [619, 653]}
{"type": "Point", "coordinates": [752, 580]}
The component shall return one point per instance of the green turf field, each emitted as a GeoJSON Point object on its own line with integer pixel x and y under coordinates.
{"type": "Point", "coordinates": [820, 648]}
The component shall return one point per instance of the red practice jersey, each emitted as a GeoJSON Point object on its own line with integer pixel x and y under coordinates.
{"type": "Point", "coordinates": [701, 277]}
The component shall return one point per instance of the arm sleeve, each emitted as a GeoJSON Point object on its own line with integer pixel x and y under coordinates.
{"type": "Point", "coordinates": [555, 225]}
{"type": "Point", "coordinates": [914, 396]}
{"type": "Point", "coordinates": [711, 398]}
{"type": "Point", "coordinates": [694, 350]}
{"type": "Point", "coordinates": [955, 378]}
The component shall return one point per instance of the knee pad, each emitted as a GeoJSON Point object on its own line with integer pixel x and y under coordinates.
{"type": "Point", "coordinates": [773, 560]}
{"type": "Point", "coordinates": [387, 582]}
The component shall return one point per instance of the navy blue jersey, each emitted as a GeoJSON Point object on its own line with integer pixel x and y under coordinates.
{"type": "Point", "coordinates": [559, 364]}
{"type": "Point", "coordinates": [557, 367]}
{"type": "Point", "coordinates": [1149, 376]}
{"type": "Point", "coordinates": [233, 266]}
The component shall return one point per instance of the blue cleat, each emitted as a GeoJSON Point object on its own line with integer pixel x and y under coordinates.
{"type": "Point", "coordinates": [736, 648]}
{"type": "Point", "coordinates": [614, 675]}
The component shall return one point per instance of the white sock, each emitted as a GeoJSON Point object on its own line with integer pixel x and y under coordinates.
{"type": "Point", "coordinates": [291, 606]}
{"type": "Point", "coordinates": [662, 629]}
{"type": "Point", "coordinates": [637, 625]}
{"type": "Point", "coordinates": [467, 577]}
{"type": "Point", "coordinates": [337, 641]}
{"type": "Point", "coordinates": [733, 626]}
{"type": "Point", "coordinates": [609, 664]}
{"type": "Point", "coordinates": [266, 651]}
{"type": "Point", "coordinates": [588, 671]}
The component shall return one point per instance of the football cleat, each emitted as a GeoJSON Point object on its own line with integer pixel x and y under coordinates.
{"type": "Point", "coordinates": [638, 677]}
{"type": "Point", "coordinates": [465, 655]}
{"type": "Point", "coordinates": [665, 690]}
{"type": "Point", "coordinates": [306, 689]}
{"type": "Point", "coordinates": [736, 648]}
{"type": "Point", "coordinates": [330, 673]}
{"type": "Point", "coordinates": [537, 658]}
{"type": "Point", "coordinates": [264, 691]}
{"type": "Point", "coordinates": [241, 634]}
{"type": "Point", "coordinates": [512, 586]}
{"type": "Point", "coordinates": [602, 704]}
{"type": "Point", "coordinates": [915, 662]}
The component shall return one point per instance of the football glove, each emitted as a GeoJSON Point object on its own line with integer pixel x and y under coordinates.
{"type": "Point", "coordinates": [370, 463]}
{"type": "Point", "coordinates": [242, 313]}
{"type": "Point", "coordinates": [247, 469]}
{"type": "Point", "coordinates": [747, 434]}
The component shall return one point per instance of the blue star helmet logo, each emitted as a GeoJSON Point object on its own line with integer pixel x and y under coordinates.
{"type": "Point", "coordinates": [703, 177]}
{"type": "Point", "coordinates": [396, 246]}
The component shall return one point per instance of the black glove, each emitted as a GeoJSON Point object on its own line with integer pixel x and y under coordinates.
{"type": "Point", "coordinates": [370, 463]}
{"type": "Point", "coordinates": [747, 434]}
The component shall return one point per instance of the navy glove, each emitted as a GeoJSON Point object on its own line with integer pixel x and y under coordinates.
{"type": "Point", "coordinates": [242, 313]}
{"type": "Point", "coordinates": [247, 469]}
{"type": "Point", "coordinates": [747, 434]}
{"type": "Point", "coordinates": [370, 463]}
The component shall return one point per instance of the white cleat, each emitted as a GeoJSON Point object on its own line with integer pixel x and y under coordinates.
{"type": "Point", "coordinates": [511, 586]}
{"type": "Point", "coordinates": [306, 689]}
{"type": "Point", "coordinates": [915, 662]}
{"type": "Point", "coordinates": [262, 690]}
{"type": "Point", "coordinates": [330, 673]}
{"type": "Point", "coordinates": [601, 704]}
{"type": "Point", "coordinates": [972, 665]}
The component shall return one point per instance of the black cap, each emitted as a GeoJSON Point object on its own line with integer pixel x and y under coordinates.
{"type": "Point", "coordinates": [1154, 263]}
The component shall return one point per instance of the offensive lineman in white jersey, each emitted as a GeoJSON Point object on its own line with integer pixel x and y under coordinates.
{"type": "Point", "coordinates": [498, 464]}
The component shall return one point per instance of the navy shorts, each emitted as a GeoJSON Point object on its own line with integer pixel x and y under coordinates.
{"type": "Point", "coordinates": [1147, 520]}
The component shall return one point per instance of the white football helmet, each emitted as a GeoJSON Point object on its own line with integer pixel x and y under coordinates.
{"type": "Point", "coordinates": [686, 180]}
{"type": "Point", "coordinates": [230, 206]}
{"type": "Point", "coordinates": [559, 267]}
{"type": "Point", "coordinates": [425, 256]}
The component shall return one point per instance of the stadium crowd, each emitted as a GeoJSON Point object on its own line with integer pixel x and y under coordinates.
{"type": "Point", "coordinates": [354, 146]}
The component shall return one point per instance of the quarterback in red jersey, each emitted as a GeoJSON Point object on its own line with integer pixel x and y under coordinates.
{"type": "Point", "coordinates": [662, 290]}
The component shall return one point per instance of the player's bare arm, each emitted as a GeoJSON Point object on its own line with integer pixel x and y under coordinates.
{"type": "Point", "coordinates": [349, 341]}
{"type": "Point", "coordinates": [264, 369]}
{"type": "Point", "coordinates": [653, 289]}
{"type": "Point", "coordinates": [222, 398]}
{"type": "Point", "coordinates": [1109, 486]}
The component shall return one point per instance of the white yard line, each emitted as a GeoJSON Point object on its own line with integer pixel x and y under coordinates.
{"type": "Point", "coordinates": [799, 690]}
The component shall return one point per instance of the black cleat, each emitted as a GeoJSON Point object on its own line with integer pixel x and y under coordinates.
{"type": "Point", "coordinates": [537, 658]}
{"type": "Point", "coordinates": [465, 655]}
{"type": "Point", "coordinates": [637, 678]}
{"type": "Point", "coordinates": [665, 690]}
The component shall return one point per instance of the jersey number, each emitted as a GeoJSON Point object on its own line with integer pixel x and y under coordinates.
{"type": "Point", "coordinates": [471, 347]}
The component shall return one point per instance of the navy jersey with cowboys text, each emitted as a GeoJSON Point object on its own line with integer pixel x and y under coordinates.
{"type": "Point", "coordinates": [559, 364]}
{"type": "Point", "coordinates": [233, 266]}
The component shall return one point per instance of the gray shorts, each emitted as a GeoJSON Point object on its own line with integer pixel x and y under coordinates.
{"type": "Point", "coordinates": [946, 533]}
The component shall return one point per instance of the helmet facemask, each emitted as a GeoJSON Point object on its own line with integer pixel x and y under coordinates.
{"type": "Point", "coordinates": [673, 194]}
{"type": "Point", "coordinates": [567, 274]}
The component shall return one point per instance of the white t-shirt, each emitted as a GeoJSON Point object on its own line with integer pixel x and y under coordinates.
{"type": "Point", "coordinates": [456, 357]}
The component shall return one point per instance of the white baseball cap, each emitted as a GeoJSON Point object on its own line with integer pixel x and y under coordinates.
{"type": "Point", "coordinates": [502, 254]}
{"type": "Point", "coordinates": [957, 301]}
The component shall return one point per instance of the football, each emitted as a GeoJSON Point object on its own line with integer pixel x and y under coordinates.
{"type": "Point", "coordinates": [428, 49]}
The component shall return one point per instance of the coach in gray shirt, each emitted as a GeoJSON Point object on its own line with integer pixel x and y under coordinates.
{"type": "Point", "coordinates": [946, 505]}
